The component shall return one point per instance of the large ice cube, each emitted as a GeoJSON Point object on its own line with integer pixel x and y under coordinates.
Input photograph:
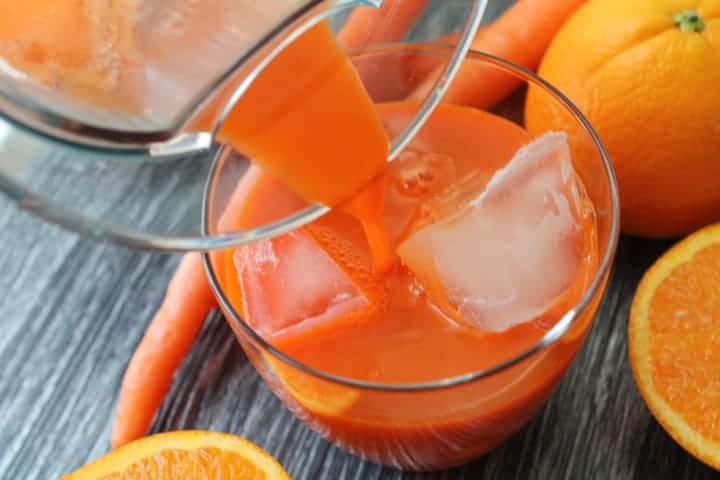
{"type": "Point", "coordinates": [289, 283]}
{"type": "Point", "coordinates": [508, 254]}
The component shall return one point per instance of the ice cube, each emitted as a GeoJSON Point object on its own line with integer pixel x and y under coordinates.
{"type": "Point", "coordinates": [507, 255]}
{"type": "Point", "coordinates": [289, 284]}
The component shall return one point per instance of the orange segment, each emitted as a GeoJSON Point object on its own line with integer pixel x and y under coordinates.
{"type": "Point", "coordinates": [314, 394]}
{"type": "Point", "coordinates": [674, 345]}
{"type": "Point", "coordinates": [188, 454]}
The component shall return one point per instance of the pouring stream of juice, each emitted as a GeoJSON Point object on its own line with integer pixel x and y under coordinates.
{"type": "Point", "coordinates": [312, 87]}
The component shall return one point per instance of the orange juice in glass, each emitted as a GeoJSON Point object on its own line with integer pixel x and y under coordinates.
{"type": "Point", "coordinates": [500, 238]}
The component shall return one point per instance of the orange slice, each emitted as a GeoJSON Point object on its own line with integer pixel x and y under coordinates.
{"type": "Point", "coordinates": [314, 394]}
{"type": "Point", "coordinates": [674, 343]}
{"type": "Point", "coordinates": [188, 454]}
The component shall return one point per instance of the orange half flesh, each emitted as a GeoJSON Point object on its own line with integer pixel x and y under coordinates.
{"type": "Point", "coordinates": [187, 454]}
{"type": "Point", "coordinates": [674, 343]}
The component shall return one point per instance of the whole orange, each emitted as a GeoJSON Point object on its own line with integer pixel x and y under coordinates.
{"type": "Point", "coordinates": [646, 73]}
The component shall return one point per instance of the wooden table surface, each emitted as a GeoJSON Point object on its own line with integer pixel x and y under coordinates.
{"type": "Point", "coordinates": [72, 311]}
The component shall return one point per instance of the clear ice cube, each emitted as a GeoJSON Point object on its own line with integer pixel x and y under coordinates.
{"type": "Point", "coordinates": [289, 284]}
{"type": "Point", "coordinates": [504, 257]}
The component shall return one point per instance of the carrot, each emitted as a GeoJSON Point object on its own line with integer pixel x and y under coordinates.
{"type": "Point", "coordinates": [187, 302]}
{"type": "Point", "coordinates": [417, 67]}
{"type": "Point", "coordinates": [521, 35]}
{"type": "Point", "coordinates": [389, 23]}
{"type": "Point", "coordinates": [384, 78]}
{"type": "Point", "coordinates": [395, 76]}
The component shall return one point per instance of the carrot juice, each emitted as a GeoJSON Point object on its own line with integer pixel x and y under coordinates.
{"type": "Point", "coordinates": [476, 212]}
{"type": "Point", "coordinates": [457, 256]}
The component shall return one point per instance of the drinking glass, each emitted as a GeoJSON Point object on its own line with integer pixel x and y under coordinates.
{"type": "Point", "coordinates": [445, 421]}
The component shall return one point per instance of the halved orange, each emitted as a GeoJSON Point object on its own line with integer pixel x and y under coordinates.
{"type": "Point", "coordinates": [186, 454]}
{"type": "Point", "coordinates": [674, 343]}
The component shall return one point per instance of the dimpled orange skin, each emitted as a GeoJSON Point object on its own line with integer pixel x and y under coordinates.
{"type": "Point", "coordinates": [652, 92]}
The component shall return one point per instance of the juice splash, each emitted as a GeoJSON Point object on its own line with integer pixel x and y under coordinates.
{"type": "Point", "coordinates": [407, 325]}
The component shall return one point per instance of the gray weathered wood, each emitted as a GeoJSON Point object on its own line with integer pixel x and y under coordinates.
{"type": "Point", "coordinates": [71, 312]}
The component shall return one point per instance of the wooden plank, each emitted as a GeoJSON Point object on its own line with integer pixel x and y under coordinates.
{"type": "Point", "coordinates": [68, 330]}
{"type": "Point", "coordinates": [72, 311]}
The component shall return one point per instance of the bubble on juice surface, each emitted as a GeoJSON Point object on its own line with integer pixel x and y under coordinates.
{"type": "Point", "coordinates": [289, 283]}
{"type": "Point", "coordinates": [415, 176]}
{"type": "Point", "coordinates": [419, 174]}
{"type": "Point", "coordinates": [505, 256]}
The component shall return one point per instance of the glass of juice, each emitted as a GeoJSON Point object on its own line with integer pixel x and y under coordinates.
{"type": "Point", "coordinates": [502, 235]}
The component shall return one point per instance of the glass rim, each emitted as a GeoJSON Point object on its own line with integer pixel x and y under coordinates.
{"type": "Point", "coordinates": [550, 337]}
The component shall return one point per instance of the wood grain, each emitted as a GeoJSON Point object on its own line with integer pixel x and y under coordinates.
{"type": "Point", "coordinates": [71, 312]}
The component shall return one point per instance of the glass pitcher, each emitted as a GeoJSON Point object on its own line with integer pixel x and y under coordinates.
{"type": "Point", "coordinates": [121, 157]}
